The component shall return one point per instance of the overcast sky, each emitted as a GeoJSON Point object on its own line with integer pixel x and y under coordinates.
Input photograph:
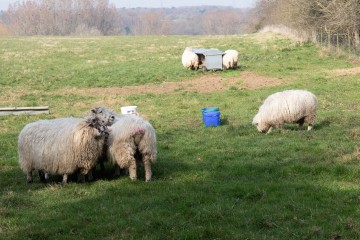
{"type": "Point", "coordinates": [163, 3]}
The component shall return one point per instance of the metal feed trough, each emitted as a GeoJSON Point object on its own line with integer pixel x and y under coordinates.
{"type": "Point", "coordinates": [209, 59]}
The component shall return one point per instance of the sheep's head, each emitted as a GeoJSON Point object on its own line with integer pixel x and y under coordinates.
{"type": "Point", "coordinates": [105, 115]}
{"type": "Point", "coordinates": [98, 124]}
{"type": "Point", "coordinates": [261, 125]}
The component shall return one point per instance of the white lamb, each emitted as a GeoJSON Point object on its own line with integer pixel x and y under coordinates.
{"type": "Point", "coordinates": [132, 141]}
{"type": "Point", "coordinates": [61, 146]}
{"type": "Point", "coordinates": [230, 59]}
{"type": "Point", "coordinates": [290, 106]}
{"type": "Point", "coordinates": [189, 59]}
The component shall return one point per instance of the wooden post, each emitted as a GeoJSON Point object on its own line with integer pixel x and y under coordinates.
{"type": "Point", "coordinates": [321, 38]}
{"type": "Point", "coordinates": [24, 110]}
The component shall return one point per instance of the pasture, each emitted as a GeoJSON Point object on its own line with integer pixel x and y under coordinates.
{"type": "Point", "coordinates": [226, 182]}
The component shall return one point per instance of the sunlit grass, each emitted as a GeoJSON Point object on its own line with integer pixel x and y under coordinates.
{"type": "Point", "coordinates": [227, 182]}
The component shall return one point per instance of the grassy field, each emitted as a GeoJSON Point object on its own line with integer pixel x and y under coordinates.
{"type": "Point", "coordinates": [227, 182]}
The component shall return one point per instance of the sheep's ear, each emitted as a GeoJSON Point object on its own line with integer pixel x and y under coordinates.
{"type": "Point", "coordinates": [93, 110]}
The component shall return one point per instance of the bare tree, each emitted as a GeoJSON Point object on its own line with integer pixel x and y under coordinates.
{"type": "Point", "coordinates": [150, 23]}
{"type": "Point", "coordinates": [220, 22]}
{"type": "Point", "coordinates": [54, 17]}
{"type": "Point", "coordinates": [310, 15]}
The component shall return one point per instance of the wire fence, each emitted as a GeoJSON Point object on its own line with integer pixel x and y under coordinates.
{"type": "Point", "coordinates": [337, 41]}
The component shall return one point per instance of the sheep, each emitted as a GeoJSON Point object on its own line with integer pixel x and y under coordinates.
{"type": "Point", "coordinates": [61, 146]}
{"type": "Point", "coordinates": [230, 59]}
{"type": "Point", "coordinates": [132, 142]}
{"type": "Point", "coordinates": [189, 59]}
{"type": "Point", "coordinates": [290, 106]}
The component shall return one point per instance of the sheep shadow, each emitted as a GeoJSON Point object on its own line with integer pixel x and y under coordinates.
{"type": "Point", "coordinates": [224, 121]}
{"type": "Point", "coordinates": [322, 124]}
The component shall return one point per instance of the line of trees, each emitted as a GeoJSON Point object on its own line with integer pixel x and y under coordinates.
{"type": "Point", "coordinates": [341, 16]}
{"type": "Point", "coordinates": [65, 17]}
{"type": "Point", "coordinates": [99, 17]}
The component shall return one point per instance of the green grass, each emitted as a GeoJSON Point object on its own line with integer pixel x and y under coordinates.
{"type": "Point", "coordinates": [228, 182]}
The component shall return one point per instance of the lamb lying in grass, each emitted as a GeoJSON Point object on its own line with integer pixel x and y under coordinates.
{"type": "Point", "coordinates": [291, 106]}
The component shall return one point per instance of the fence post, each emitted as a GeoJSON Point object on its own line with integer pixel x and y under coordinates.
{"type": "Point", "coordinates": [321, 38]}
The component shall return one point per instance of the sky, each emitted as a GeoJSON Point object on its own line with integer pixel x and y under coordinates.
{"type": "Point", "coordinates": [163, 3]}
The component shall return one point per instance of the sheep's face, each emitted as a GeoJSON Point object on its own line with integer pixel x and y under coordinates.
{"type": "Point", "coordinates": [261, 126]}
{"type": "Point", "coordinates": [96, 123]}
{"type": "Point", "coordinates": [106, 116]}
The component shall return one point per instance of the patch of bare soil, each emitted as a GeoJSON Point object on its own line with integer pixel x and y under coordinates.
{"type": "Point", "coordinates": [204, 84]}
{"type": "Point", "coordinates": [348, 71]}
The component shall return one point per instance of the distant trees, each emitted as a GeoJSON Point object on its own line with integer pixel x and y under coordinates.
{"type": "Point", "coordinates": [220, 22]}
{"type": "Point", "coordinates": [150, 23]}
{"type": "Point", "coordinates": [65, 17]}
{"type": "Point", "coordinates": [99, 17]}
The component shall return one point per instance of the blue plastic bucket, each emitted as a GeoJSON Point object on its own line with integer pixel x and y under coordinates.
{"type": "Point", "coordinates": [211, 119]}
{"type": "Point", "coordinates": [207, 110]}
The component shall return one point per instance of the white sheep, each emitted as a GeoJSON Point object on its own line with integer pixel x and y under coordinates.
{"type": "Point", "coordinates": [230, 59]}
{"type": "Point", "coordinates": [290, 106]}
{"type": "Point", "coordinates": [61, 146]}
{"type": "Point", "coordinates": [189, 59]}
{"type": "Point", "coordinates": [132, 141]}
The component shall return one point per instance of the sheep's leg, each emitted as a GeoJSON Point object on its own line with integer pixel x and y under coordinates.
{"type": "Point", "coordinates": [65, 178]}
{"type": "Point", "coordinates": [42, 176]}
{"type": "Point", "coordinates": [81, 178]}
{"type": "Point", "coordinates": [90, 175]}
{"type": "Point", "coordinates": [29, 177]}
{"type": "Point", "coordinates": [46, 176]}
{"type": "Point", "coordinates": [310, 121]}
{"type": "Point", "coordinates": [133, 170]}
{"type": "Point", "coordinates": [301, 121]}
{"type": "Point", "coordinates": [102, 166]}
{"type": "Point", "coordinates": [269, 130]}
{"type": "Point", "coordinates": [147, 166]}
{"type": "Point", "coordinates": [117, 171]}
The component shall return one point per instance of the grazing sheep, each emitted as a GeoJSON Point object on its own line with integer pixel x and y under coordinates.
{"type": "Point", "coordinates": [61, 146]}
{"type": "Point", "coordinates": [290, 106]}
{"type": "Point", "coordinates": [230, 59]}
{"type": "Point", "coordinates": [189, 59]}
{"type": "Point", "coordinates": [132, 141]}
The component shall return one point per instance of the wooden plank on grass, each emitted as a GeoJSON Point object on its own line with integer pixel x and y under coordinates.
{"type": "Point", "coordinates": [24, 110]}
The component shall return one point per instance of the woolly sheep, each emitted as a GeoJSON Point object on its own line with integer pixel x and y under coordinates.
{"type": "Point", "coordinates": [189, 59]}
{"type": "Point", "coordinates": [132, 141]}
{"type": "Point", "coordinates": [61, 146]}
{"type": "Point", "coordinates": [230, 59]}
{"type": "Point", "coordinates": [290, 106]}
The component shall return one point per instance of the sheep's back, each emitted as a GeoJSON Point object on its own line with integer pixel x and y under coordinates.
{"type": "Point", "coordinates": [287, 106]}
{"type": "Point", "coordinates": [189, 58]}
{"type": "Point", "coordinates": [54, 145]}
{"type": "Point", "coordinates": [123, 132]}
